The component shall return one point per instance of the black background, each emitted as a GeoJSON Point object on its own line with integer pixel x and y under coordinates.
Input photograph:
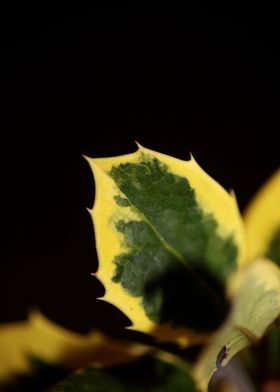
{"type": "Point", "coordinates": [92, 81]}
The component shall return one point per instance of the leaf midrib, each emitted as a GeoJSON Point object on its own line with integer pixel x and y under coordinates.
{"type": "Point", "coordinates": [173, 251]}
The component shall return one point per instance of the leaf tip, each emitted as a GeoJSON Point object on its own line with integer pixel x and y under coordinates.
{"type": "Point", "coordinates": [139, 146]}
{"type": "Point", "coordinates": [191, 157]}
{"type": "Point", "coordinates": [88, 159]}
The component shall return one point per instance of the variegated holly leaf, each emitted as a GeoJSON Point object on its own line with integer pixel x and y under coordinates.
{"type": "Point", "coordinates": [256, 306]}
{"type": "Point", "coordinates": [167, 238]}
{"type": "Point", "coordinates": [262, 221]}
{"type": "Point", "coordinates": [39, 338]}
{"type": "Point", "coordinates": [146, 374]}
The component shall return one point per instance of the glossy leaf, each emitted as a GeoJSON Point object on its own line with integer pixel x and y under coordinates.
{"type": "Point", "coordinates": [146, 375]}
{"type": "Point", "coordinates": [167, 237]}
{"type": "Point", "coordinates": [40, 338]}
{"type": "Point", "coordinates": [256, 306]}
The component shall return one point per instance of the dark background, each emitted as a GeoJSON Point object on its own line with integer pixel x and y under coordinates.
{"type": "Point", "coordinates": [92, 81]}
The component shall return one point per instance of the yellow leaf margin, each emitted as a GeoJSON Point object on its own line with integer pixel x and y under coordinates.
{"type": "Point", "coordinates": [40, 338]}
{"type": "Point", "coordinates": [210, 195]}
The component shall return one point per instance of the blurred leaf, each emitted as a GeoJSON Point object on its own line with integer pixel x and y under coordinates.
{"type": "Point", "coordinates": [256, 306]}
{"type": "Point", "coordinates": [145, 375]}
{"type": "Point", "coordinates": [262, 224]}
{"type": "Point", "coordinates": [167, 237]}
{"type": "Point", "coordinates": [262, 221]}
{"type": "Point", "coordinates": [42, 376]}
{"type": "Point", "coordinates": [40, 338]}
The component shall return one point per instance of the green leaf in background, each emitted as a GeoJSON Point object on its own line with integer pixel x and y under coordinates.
{"type": "Point", "coordinates": [146, 375]}
{"type": "Point", "coordinates": [256, 306]}
{"type": "Point", "coordinates": [167, 237]}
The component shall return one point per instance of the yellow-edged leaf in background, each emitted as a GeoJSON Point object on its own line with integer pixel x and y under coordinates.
{"type": "Point", "coordinates": [262, 221]}
{"type": "Point", "coordinates": [262, 225]}
{"type": "Point", "coordinates": [167, 237]}
{"type": "Point", "coordinates": [256, 306]}
{"type": "Point", "coordinates": [39, 338]}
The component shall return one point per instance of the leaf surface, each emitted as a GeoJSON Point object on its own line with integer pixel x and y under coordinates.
{"type": "Point", "coordinates": [256, 306]}
{"type": "Point", "coordinates": [145, 375]}
{"type": "Point", "coordinates": [42, 339]}
{"type": "Point", "coordinates": [167, 237]}
{"type": "Point", "coordinates": [262, 225]}
{"type": "Point", "coordinates": [262, 221]}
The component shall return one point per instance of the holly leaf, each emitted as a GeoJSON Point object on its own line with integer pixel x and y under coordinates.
{"type": "Point", "coordinates": [262, 221]}
{"type": "Point", "coordinates": [256, 306]}
{"type": "Point", "coordinates": [146, 374]}
{"type": "Point", "coordinates": [39, 338]}
{"type": "Point", "coordinates": [167, 238]}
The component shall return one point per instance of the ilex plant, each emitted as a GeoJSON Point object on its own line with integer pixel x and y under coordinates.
{"type": "Point", "coordinates": [176, 257]}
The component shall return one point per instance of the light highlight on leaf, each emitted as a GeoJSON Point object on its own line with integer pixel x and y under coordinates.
{"type": "Point", "coordinates": [256, 306]}
{"type": "Point", "coordinates": [162, 225]}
